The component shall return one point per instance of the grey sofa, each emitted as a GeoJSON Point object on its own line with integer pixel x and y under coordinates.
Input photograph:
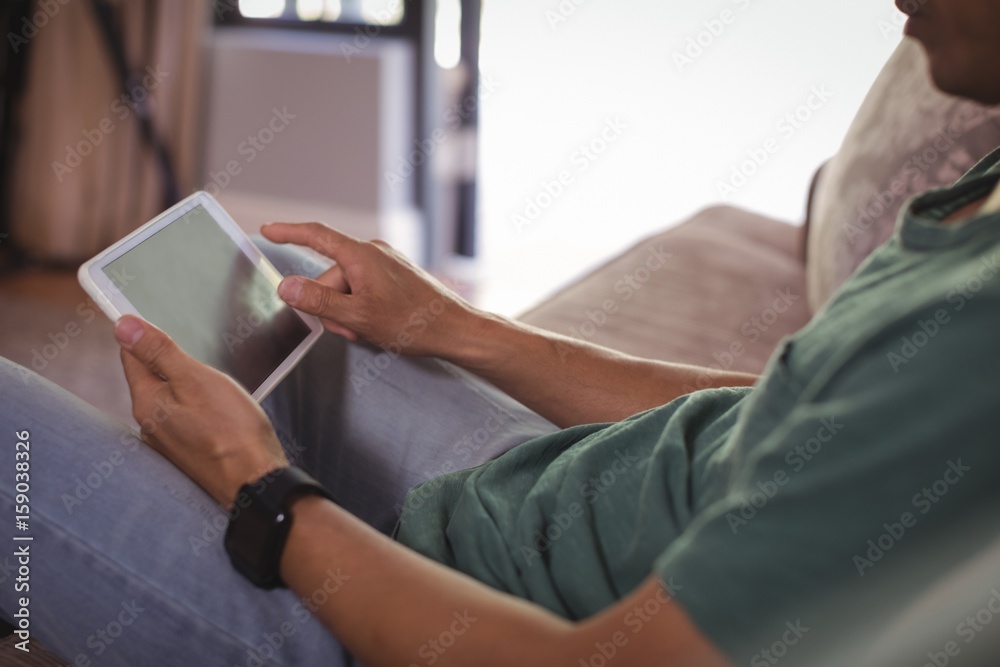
{"type": "Point", "coordinates": [736, 282]}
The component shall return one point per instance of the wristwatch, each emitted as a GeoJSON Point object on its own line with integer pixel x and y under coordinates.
{"type": "Point", "coordinates": [260, 522]}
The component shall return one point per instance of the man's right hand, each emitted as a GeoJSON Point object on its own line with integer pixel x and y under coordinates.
{"type": "Point", "coordinates": [373, 293]}
{"type": "Point", "coordinates": [376, 294]}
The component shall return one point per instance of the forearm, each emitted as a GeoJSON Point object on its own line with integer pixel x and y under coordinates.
{"type": "Point", "coordinates": [569, 381]}
{"type": "Point", "coordinates": [391, 606]}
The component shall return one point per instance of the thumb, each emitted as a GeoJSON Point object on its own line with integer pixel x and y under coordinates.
{"type": "Point", "coordinates": [150, 346]}
{"type": "Point", "coordinates": [314, 298]}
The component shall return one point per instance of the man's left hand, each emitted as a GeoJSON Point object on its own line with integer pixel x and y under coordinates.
{"type": "Point", "coordinates": [196, 416]}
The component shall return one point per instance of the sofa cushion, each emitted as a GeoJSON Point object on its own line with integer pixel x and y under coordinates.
{"type": "Point", "coordinates": [906, 138]}
{"type": "Point", "coordinates": [732, 286]}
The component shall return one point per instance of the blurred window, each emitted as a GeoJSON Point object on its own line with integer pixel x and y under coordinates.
{"type": "Point", "coordinates": [367, 12]}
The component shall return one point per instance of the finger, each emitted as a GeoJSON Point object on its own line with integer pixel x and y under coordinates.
{"type": "Point", "coordinates": [315, 298]}
{"type": "Point", "coordinates": [340, 330]}
{"type": "Point", "coordinates": [315, 235]}
{"type": "Point", "coordinates": [334, 278]}
{"type": "Point", "coordinates": [151, 347]}
{"type": "Point", "coordinates": [142, 382]}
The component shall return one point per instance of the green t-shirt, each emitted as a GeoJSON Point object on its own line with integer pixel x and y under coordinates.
{"type": "Point", "coordinates": [871, 431]}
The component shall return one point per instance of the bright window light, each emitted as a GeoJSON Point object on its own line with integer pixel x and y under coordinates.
{"type": "Point", "coordinates": [382, 12]}
{"type": "Point", "coordinates": [309, 10]}
{"type": "Point", "coordinates": [333, 10]}
{"type": "Point", "coordinates": [262, 9]}
{"type": "Point", "coordinates": [448, 33]}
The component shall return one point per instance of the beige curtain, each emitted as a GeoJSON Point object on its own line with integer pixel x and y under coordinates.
{"type": "Point", "coordinates": [83, 177]}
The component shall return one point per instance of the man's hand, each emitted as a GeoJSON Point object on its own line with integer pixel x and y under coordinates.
{"type": "Point", "coordinates": [373, 293]}
{"type": "Point", "coordinates": [197, 417]}
{"type": "Point", "coordinates": [376, 294]}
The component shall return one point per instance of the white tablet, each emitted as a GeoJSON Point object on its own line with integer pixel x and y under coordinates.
{"type": "Point", "coordinates": [196, 275]}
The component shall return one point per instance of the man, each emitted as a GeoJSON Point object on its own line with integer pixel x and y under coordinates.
{"type": "Point", "coordinates": [731, 525]}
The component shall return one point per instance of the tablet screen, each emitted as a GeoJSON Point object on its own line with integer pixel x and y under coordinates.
{"type": "Point", "coordinates": [193, 281]}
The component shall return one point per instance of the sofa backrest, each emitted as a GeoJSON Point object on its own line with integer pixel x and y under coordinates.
{"type": "Point", "coordinates": [906, 138]}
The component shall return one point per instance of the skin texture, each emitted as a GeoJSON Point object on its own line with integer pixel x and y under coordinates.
{"type": "Point", "coordinates": [394, 600]}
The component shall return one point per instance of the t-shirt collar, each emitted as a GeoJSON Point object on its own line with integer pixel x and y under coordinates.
{"type": "Point", "coordinates": [920, 222]}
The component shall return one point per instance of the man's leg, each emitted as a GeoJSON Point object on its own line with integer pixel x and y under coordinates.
{"type": "Point", "coordinates": [371, 426]}
{"type": "Point", "coordinates": [126, 565]}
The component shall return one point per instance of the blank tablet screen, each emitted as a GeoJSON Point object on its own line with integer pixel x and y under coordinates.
{"type": "Point", "coordinates": [192, 280]}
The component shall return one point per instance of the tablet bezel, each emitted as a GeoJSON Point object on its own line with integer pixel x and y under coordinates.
{"type": "Point", "coordinates": [110, 299]}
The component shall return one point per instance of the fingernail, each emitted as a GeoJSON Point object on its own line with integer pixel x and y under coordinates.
{"type": "Point", "coordinates": [290, 289]}
{"type": "Point", "coordinates": [128, 330]}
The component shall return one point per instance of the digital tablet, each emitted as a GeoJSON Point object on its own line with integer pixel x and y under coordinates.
{"type": "Point", "coordinates": [196, 275]}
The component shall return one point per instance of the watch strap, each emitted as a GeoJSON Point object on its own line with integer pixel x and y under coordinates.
{"type": "Point", "coordinates": [260, 522]}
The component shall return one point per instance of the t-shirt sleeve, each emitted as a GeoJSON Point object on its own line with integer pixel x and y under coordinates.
{"type": "Point", "coordinates": [881, 456]}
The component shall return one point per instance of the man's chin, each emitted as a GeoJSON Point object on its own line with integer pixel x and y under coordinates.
{"type": "Point", "coordinates": [983, 92]}
{"type": "Point", "coordinates": [968, 80]}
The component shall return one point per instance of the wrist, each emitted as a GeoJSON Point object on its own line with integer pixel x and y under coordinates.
{"type": "Point", "coordinates": [474, 338]}
{"type": "Point", "coordinates": [261, 522]}
{"type": "Point", "coordinates": [244, 473]}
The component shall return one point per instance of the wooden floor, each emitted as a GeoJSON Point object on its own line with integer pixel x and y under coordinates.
{"type": "Point", "coordinates": [52, 327]}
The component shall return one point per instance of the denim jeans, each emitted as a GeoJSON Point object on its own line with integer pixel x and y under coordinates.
{"type": "Point", "coordinates": [127, 565]}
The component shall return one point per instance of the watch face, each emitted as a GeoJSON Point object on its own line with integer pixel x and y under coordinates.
{"type": "Point", "coordinates": [254, 542]}
{"type": "Point", "coordinates": [260, 523]}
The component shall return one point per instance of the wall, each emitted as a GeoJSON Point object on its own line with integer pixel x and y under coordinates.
{"type": "Point", "coordinates": [559, 74]}
{"type": "Point", "coordinates": [304, 126]}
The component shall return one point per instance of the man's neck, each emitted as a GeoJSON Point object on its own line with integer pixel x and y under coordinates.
{"type": "Point", "coordinates": [989, 204]}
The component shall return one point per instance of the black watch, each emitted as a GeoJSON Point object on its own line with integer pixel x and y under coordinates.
{"type": "Point", "coordinates": [260, 522]}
